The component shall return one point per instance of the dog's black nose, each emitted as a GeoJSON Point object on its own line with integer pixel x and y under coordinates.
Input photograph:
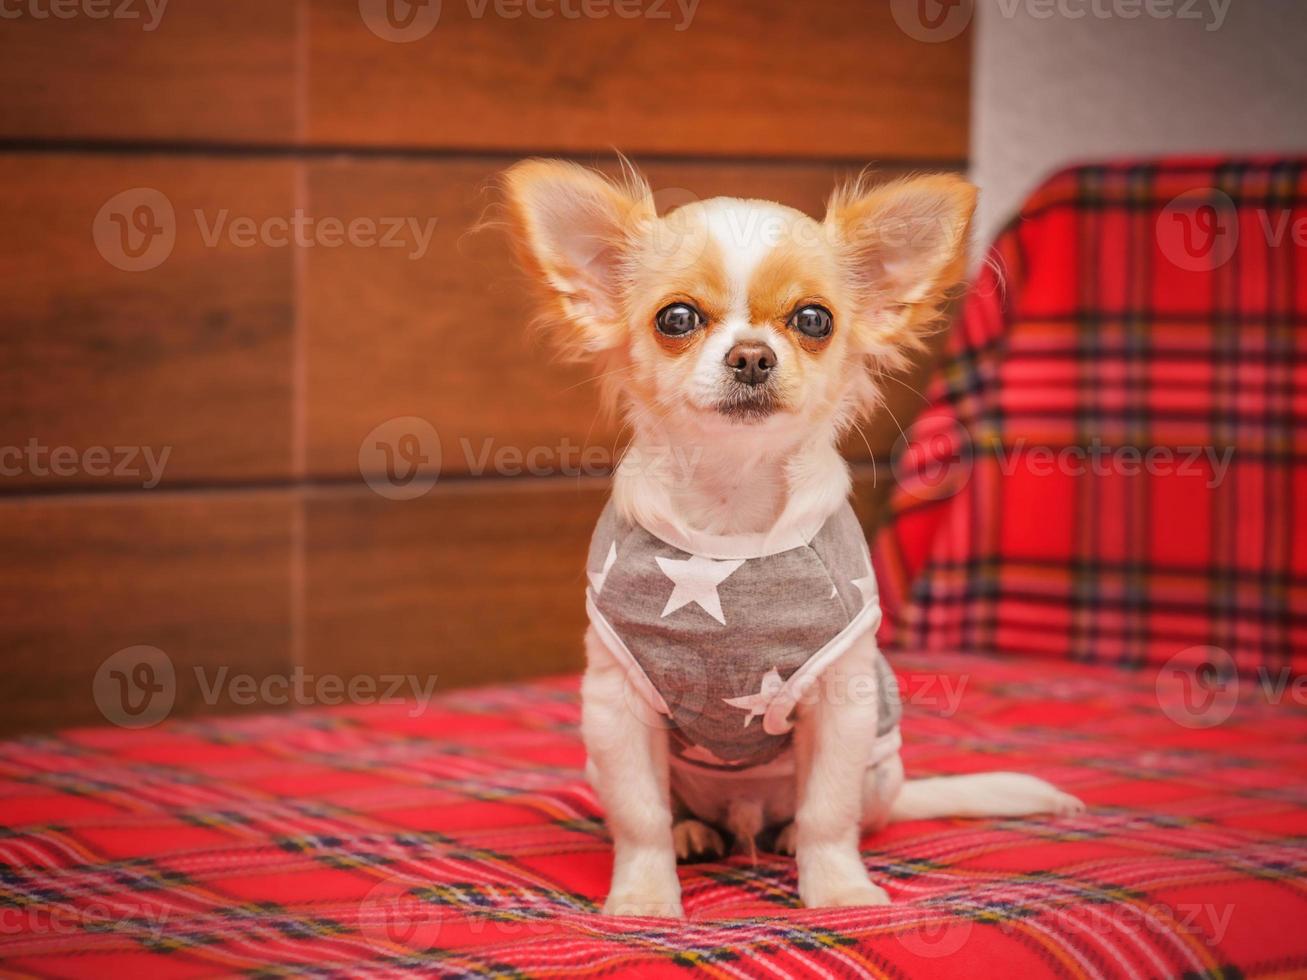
{"type": "Point", "coordinates": [752, 362]}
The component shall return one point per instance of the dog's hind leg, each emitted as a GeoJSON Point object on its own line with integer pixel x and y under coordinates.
{"type": "Point", "coordinates": [983, 794]}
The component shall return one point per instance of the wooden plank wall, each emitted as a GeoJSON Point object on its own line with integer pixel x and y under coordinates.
{"type": "Point", "coordinates": [190, 398]}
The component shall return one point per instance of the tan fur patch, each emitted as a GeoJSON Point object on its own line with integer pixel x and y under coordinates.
{"type": "Point", "coordinates": [676, 262]}
{"type": "Point", "coordinates": [792, 276]}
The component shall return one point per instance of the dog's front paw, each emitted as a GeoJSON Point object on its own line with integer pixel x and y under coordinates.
{"type": "Point", "coordinates": [644, 904]}
{"type": "Point", "coordinates": [835, 877]}
{"type": "Point", "coordinates": [841, 894]}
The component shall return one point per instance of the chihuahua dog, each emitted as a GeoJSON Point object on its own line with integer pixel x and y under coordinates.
{"type": "Point", "coordinates": [734, 690]}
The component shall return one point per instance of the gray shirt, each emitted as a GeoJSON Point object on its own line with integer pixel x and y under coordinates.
{"type": "Point", "coordinates": [725, 641]}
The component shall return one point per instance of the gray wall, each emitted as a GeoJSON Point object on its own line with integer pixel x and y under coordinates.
{"type": "Point", "coordinates": [1051, 89]}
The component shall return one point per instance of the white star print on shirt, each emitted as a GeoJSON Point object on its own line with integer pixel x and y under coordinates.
{"type": "Point", "coordinates": [867, 586]}
{"type": "Point", "coordinates": [757, 704]}
{"type": "Point", "coordinates": [597, 578]}
{"type": "Point", "coordinates": [696, 581]}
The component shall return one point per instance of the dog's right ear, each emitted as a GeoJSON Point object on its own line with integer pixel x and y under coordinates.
{"type": "Point", "coordinates": [572, 228]}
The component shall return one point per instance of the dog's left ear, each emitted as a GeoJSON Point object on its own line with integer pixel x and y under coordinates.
{"type": "Point", "coordinates": [903, 246]}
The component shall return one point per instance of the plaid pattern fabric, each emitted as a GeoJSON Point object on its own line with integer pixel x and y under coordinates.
{"type": "Point", "coordinates": [1113, 466]}
{"type": "Point", "coordinates": [464, 841]}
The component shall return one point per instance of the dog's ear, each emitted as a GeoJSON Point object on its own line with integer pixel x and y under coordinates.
{"type": "Point", "coordinates": [572, 228]}
{"type": "Point", "coordinates": [903, 245]}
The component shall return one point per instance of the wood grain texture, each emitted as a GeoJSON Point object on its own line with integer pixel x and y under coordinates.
{"type": "Point", "coordinates": [191, 356]}
{"type": "Point", "coordinates": [440, 331]}
{"type": "Point", "coordinates": [684, 77]}
{"type": "Point", "coordinates": [208, 70]}
{"type": "Point", "coordinates": [203, 577]}
{"type": "Point", "coordinates": [740, 77]}
{"type": "Point", "coordinates": [475, 582]}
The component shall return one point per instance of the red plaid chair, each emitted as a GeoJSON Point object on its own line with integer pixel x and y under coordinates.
{"type": "Point", "coordinates": [462, 840]}
{"type": "Point", "coordinates": [1113, 467]}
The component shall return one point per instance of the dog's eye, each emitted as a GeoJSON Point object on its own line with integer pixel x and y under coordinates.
{"type": "Point", "coordinates": [678, 319]}
{"type": "Point", "coordinates": [813, 321]}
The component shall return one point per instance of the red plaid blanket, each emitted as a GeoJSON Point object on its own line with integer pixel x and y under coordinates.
{"type": "Point", "coordinates": [465, 842]}
{"type": "Point", "coordinates": [1114, 463]}
{"type": "Point", "coordinates": [1150, 307]}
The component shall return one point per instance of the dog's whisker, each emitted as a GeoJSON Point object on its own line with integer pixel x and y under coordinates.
{"type": "Point", "coordinates": [870, 454]}
{"type": "Point", "coordinates": [625, 369]}
{"type": "Point", "coordinates": [900, 381]}
{"type": "Point", "coordinates": [889, 411]}
{"type": "Point", "coordinates": [630, 423]}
